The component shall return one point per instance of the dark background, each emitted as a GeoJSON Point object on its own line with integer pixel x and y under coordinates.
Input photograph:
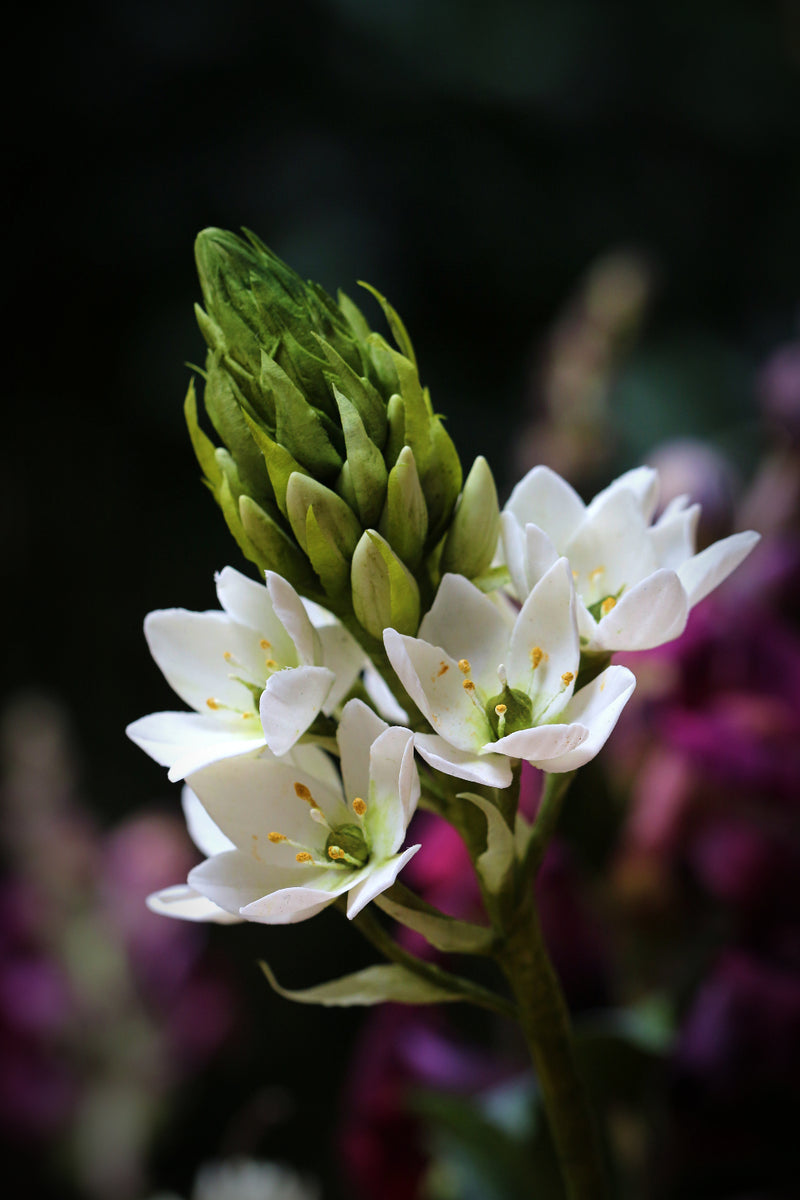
{"type": "Point", "coordinates": [470, 160]}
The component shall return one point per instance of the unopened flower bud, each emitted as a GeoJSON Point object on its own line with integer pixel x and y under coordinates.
{"type": "Point", "coordinates": [385, 593]}
{"type": "Point", "coordinates": [474, 531]}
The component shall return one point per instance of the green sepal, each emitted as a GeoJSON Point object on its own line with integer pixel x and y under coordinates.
{"type": "Point", "coordinates": [444, 933]}
{"type": "Point", "coordinates": [359, 392]}
{"type": "Point", "coordinates": [302, 430]}
{"type": "Point", "coordinates": [404, 520]}
{"type": "Point", "coordinates": [367, 470]}
{"type": "Point", "coordinates": [496, 864]}
{"type": "Point", "coordinates": [373, 985]}
{"type": "Point", "coordinates": [276, 551]}
{"type": "Point", "coordinates": [399, 331]}
{"type": "Point", "coordinates": [224, 408]}
{"type": "Point", "coordinates": [471, 541]}
{"type": "Point", "coordinates": [228, 494]}
{"type": "Point", "coordinates": [330, 565]}
{"type": "Point", "coordinates": [354, 316]}
{"type": "Point", "coordinates": [385, 593]}
{"type": "Point", "coordinates": [336, 519]}
{"type": "Point", "coordinates": [212, 334]}
{"type": "Point", "coordinates": [204, 448]}
{"type": "Point", "coordinates": [280, 464]}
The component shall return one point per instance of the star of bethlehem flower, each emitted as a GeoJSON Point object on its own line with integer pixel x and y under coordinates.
{"type": "Point", "coordinates": [284, 841]}
{"type": "Point", "coordinates": [635, 581]}
{"type": "Point", "coordinates": [257, 673]}
{"type": "Point", "coordinates": [497, 684]}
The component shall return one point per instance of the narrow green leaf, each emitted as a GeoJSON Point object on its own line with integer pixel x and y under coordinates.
{"type": "Point", "coordinates": [497, 861]}
{"type": "Point", "coordinates": [444, 933]}
{"type": "Point", "coordinates": [204, 448]}
{"type": "Point", "coordinates": [399, 331]}
{"type": "Point", "coordinates": [373, 985]}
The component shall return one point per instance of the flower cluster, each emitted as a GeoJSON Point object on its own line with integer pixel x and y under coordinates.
{"type": "Point", "coordinates": [407, 639]}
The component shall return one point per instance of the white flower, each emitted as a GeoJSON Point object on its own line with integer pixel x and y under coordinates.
{"type": "Point", "coordinates": [284, 841]}
{"type": "Point", "coordinates": [257, 673]}
{"type": "Point", "coordinates": [635, 582]}
{"type": "Point", "coordinates": [496, 684]}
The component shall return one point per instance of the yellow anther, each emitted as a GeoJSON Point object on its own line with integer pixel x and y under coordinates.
{"type": "Point", "coordinates": [304, 857]}
{"type": "Point", "coordinates": [302, 793]}
{"type": "Point", "coordinates": [567, 678]}
{"type": "Point", "coordinates": [335, 852]}
{"type": "Point", "coordinates": [500, 709]}
{"type": "Point", "coordinates": [596, 573]}
{"type": "Point", "coordinates": [468, 685]}
{"type": "Point", "coordinates": [212, 703]}
{"type": "Point", "coordinates": [537, 654]}
{"type": "Point", "coordinates": [265, 645]}
{"type": "Point", "coordinates": [359, 806]}
{"type": "Point", "coordinates": [607, 605]}
{"type": "Point", "coordinates": [277, 837]}
{"type": "Point", "coordinates": [443, 668]}
{"type": "Point", "coordinates": [463, 666]}
{"type": "Point", "coordinates": [270, 662]}
{"type": "Point", "coordinates": [228, 656]}
{"type": "Point", "coordinates": [247, 715]}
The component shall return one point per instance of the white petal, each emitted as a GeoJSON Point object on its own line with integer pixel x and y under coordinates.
{"type": "Point", "coordinates": [185, 742]}
{"type": "Point", "coordinates": [651, 613]}
{"type": "Point", "coordinates": [512, 536]}
{"type": "Point", "coordinates": [435, 683]}
{"type": "Point", "coordinates": [288, 905]}
{"type": "Point", "coordinates": [294, 618]}
{"type": "Point", "coordinates": [187, 904]}
{"type": "Point", "coordinates": [230, 880]}
{"type": "Point", "coordinates": [249, 798]}
{"type": "Point", "coordinates": [596, 706]}
{"type": "Point", "coordinates": [544, 646]}
{"type": "Point", "coordinates": [385, 819]}
{"type": "Point", "coordinates": [205, 834]}
{"type": "Point", "coordinates": [701, 574]}
{"type": "Point", "coordinates": [290, 702]}
{"type": "Point", "coordinates": [642, 482]}
{"type": "Point", "coordinates": [382, 697]}
{"type": "Point", "coordinates": [611, 550]}
{"type": "Point", "coordinates": [358, 729]}
{"type": "Point", "coordinates": [248, 604]}
{"type": "Point", "coordinates": [190, 649]}
{"type": "Point", "coordinates": [544, 743]}
{"type": "Point", "coordinates": [543, 498]}
{"type": "Point", "coordinates": [673, 536]}
{"type": "Point", "coordinates": [340, 653]}
{"type": "Point", "coordinates": [468, 624]}
{"type": "Point", "coordinates": [377, 881]}
{"type": "Point", "coordinates": [492, 769]}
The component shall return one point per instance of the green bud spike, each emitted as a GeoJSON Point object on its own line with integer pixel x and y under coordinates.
{"type": "Point", "coordinates": [335, 518]}
{"type": "Point", "coordinates": [279, 462]}
{"type": "Point", "coordinates": [366, 468]}
{"type": "Point", "coordinates": [305, 434]}
{"type": "Point", "coordinates": [404, 520]}
{"type": "Point", "coordinates": [471, 541]}
{"type": "Point", "coordinates": [385, 593]}
{"type": "Point", "coordinates": [359, 391]}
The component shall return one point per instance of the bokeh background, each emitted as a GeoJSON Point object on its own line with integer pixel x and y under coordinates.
{"type": "Point", "coordinates": [587, 214]}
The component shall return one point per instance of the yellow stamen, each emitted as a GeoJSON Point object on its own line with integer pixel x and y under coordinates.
{"type": "Point", "coordinates": [265, 645]}
{"type": "Point", "coordinates": [468, 685]}
{"type": "Point", "coordinates": [596, 573]}
{"type": "Point", "coordinates": [228, 656]}
{"type": "Point", "coordinates": [247, 715]}
{"type": "Point", "coordinates": [359, 806]}
{"type": "Point", "coordinates": [607, 605]}
{"type": "Point", "coordinates": [212, 703]}
{"type": "Point", "coordinates": [302, 793]}
{"type": "Point", "coordinates": [567, 678]}
{"type": "Point", "coordinates": [500, 709]}
{"type": "Point", "coordinates": [463, 666]}
{"type": "Point", "coordinates": [304, 857]}
{"type": "Point", "coordinates": [270, 662]}
{"type": "Point", "coordinates": [277, 837]}
{"type": "Point", "coordinates": [335, 852]}
{"type": "Point", "coordinates": [537, 654]}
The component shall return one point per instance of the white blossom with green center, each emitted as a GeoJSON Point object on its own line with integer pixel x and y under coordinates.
{"type": "Point", "coordinates": [258, 673]}
{"type": "Point", "coordinates": [498, 685]}
{"type": "Point", "coordinates": [284, 841]}
{"type": "Point", "coordinates": [635, 581]}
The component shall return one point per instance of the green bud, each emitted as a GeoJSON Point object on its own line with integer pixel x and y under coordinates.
{"type": "Point", "coordinates": [351, 845]}
{"type": "Point", "coordinates": [335, 518]}
{"type": "Point", "coordinates": [385, 593]}
{"type": "Point", "coordinates": [404, 520]}
{"type": "Point", "coordinates": [366, 468]}
{"type": "Point", "coordinates": [275, 551]}
{"type": "Point", "coordinates": [471, 540]}
{"type": "Point", "coordinates": [279, 462]}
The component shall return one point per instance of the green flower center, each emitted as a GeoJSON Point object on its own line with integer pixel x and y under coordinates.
{"type": "Point", "coordinates": [516, 711]}
{"type": "Point", "coordinates": [347, 845]}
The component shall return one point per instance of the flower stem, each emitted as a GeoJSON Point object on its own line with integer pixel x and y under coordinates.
{"type": "Point", "coordinates": [542, 1013]}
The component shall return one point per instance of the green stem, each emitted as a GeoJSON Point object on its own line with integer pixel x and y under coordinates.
{"type": "Point", "coordinates": [375, 933]}
{"type": "Point", "coordinates": [542, 1013]}
{"type": "Point", "coordinates": [545, 822]}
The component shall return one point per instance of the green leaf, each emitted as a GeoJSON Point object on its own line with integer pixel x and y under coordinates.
{"type": "Point", "coordinates": [373, 985]}
{"type": "Point", "coordinates": [496, 864]}
{"type": "Point", "coordinates": [444, 933]}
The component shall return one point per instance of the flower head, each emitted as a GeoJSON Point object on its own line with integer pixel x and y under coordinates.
{"type": "Point", "coordinates": [496, 684]}
{"type": "Point", "coordinates": [257, 673]}
{"type": "Point", "coordinates": [635, 582]}
{"type": "Point", "coordinates": [284, 841]}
